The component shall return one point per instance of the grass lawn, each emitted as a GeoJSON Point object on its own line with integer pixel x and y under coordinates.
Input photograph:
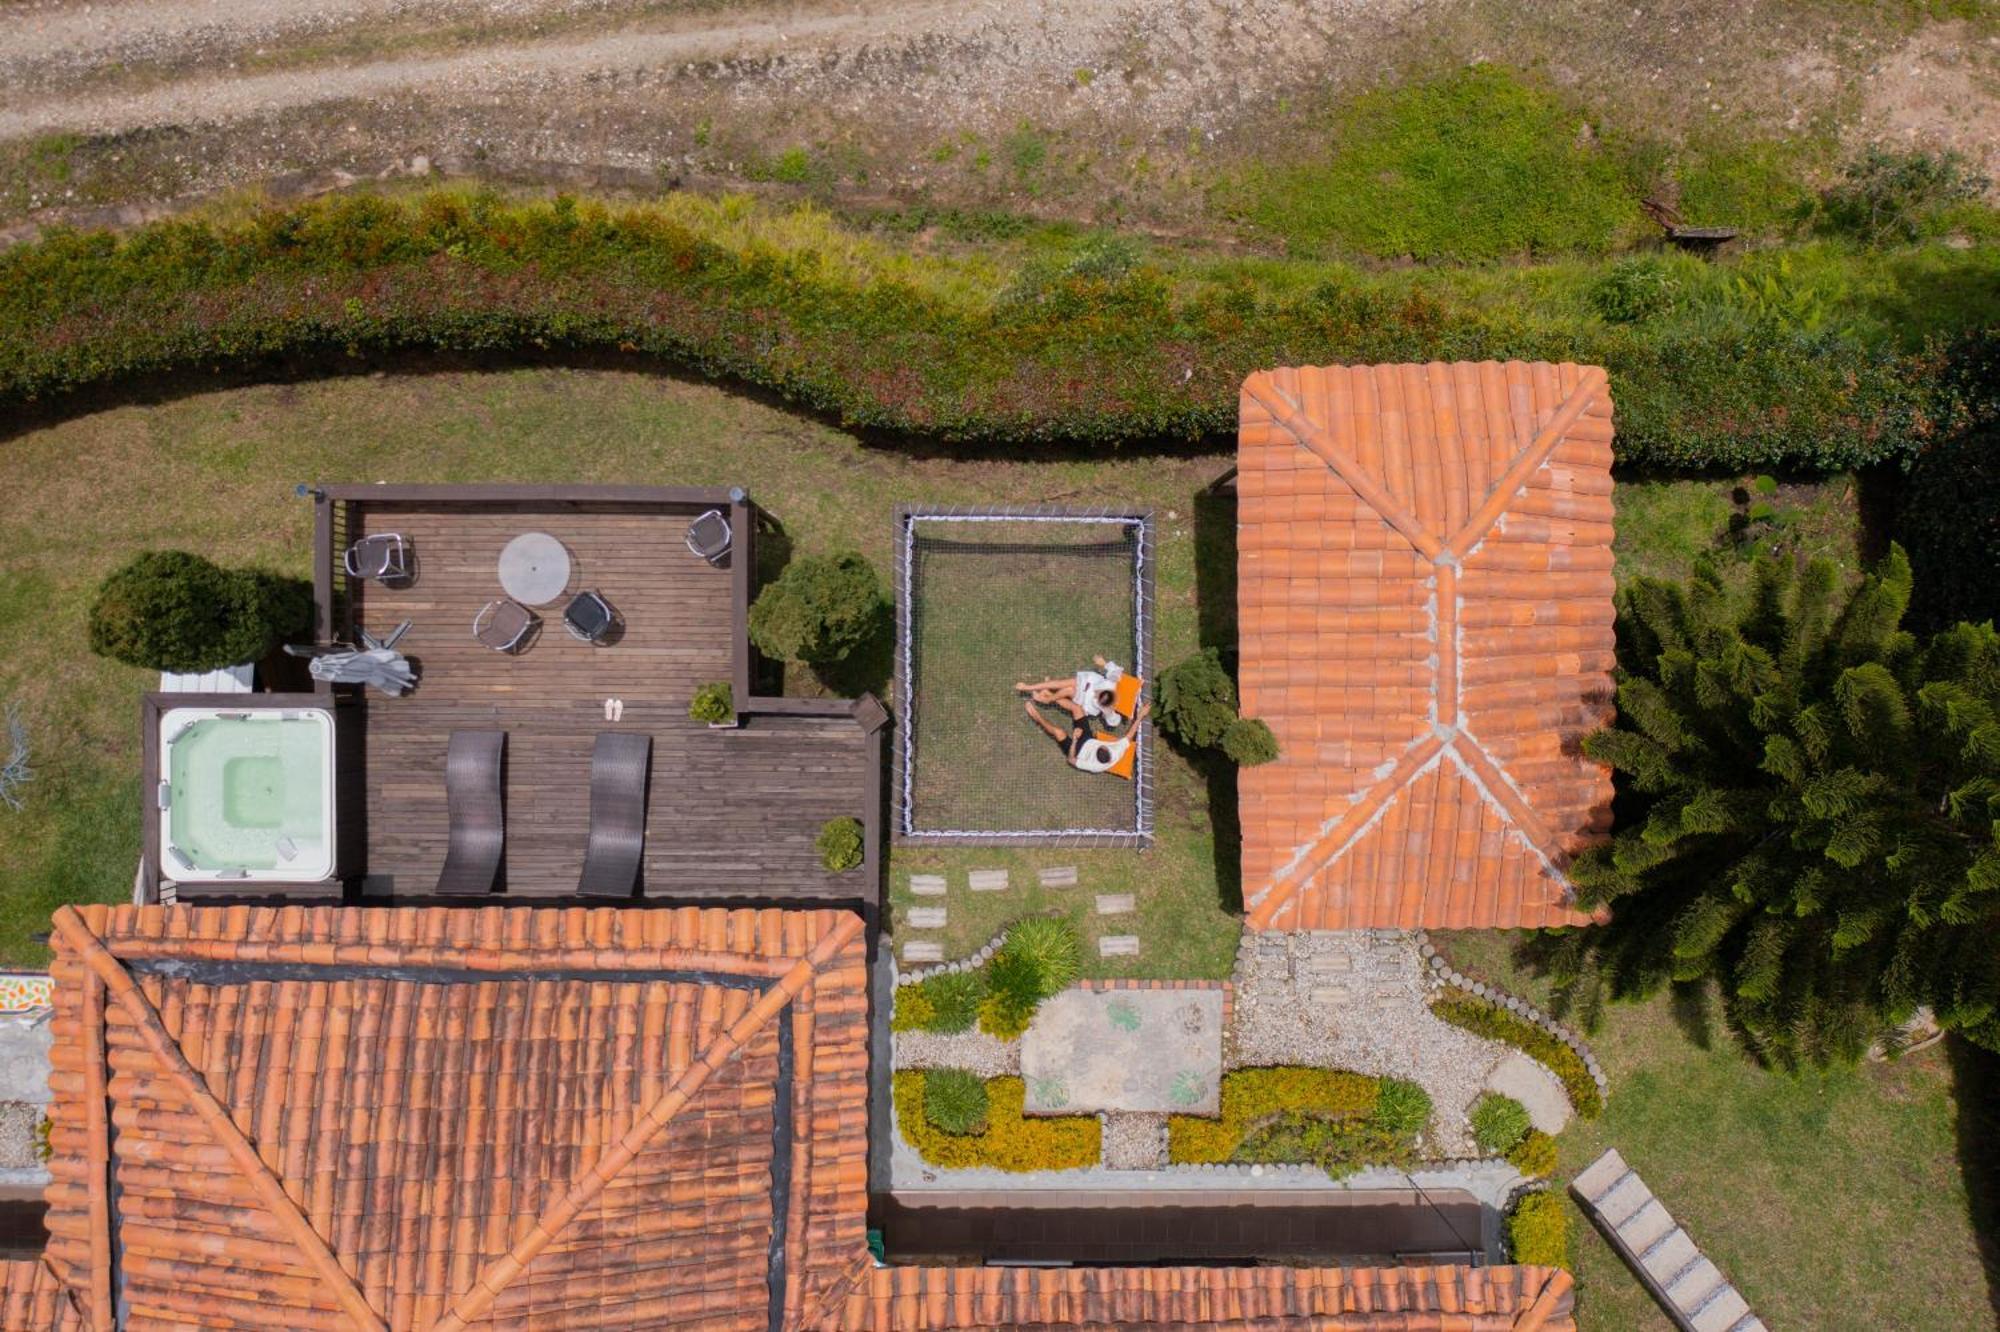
{"type": "Point", "coordinates": [1832, 1200]}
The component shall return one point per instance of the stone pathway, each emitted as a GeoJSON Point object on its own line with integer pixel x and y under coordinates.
{"type": "Point", "coordinates": [1355, 999]}
{"type": "Point", "coordinates": [987, 881]}
{"type": "Point", "coordinates": [923, 950]}
{"type": "Point", "coordinates": [1060, 876]}
{"type": "Point", "coordinates": [1115, 904]}
{"type": "Point", "coordinates": [1535, 1088]}
{"type": "Point", "coordinates": [1118, 945]}
{"type": "Point", "coordinates": [927, 885]}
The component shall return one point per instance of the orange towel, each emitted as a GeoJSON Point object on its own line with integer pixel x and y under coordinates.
{"type": "Point", "coordinates": [1126, 691]}
{"type": "Point", "coordinates": [1128, 760]}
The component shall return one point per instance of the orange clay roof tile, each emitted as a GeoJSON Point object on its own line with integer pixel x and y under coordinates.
{"type": "Point", "coordinates": [342, 1118]}
{"type": "Point", "coordinates": [1425, 621]}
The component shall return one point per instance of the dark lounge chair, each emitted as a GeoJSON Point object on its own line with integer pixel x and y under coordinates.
{"type": "Point", "coordinates": [617, 814]}
{"type": "Point", "coordinates": [590, 617]}
{"type": "Point", "coordinates": [478, 819]}
{"type": "Point", "coordinates": [709, 536]}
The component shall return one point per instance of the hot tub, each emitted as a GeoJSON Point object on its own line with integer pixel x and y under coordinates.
{"type": "Point", "coordinates": [246, 795]}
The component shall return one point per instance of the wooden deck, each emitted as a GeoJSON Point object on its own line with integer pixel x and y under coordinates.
{"type": "Point", "coordinates": [732, 813]}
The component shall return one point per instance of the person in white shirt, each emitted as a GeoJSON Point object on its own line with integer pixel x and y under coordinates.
{"type": "Point", "coordinates": [1086, 751]}
{"type": "Point", "coordinates": [1088, 693]}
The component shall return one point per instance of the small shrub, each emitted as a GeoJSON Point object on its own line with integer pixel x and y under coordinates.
{"type": "Point", "coordinates": [1003, 1016]}
{"type": "Point", "coordinates": [1013, 992]}
{"type": "Point", "coordinates": [841, 845]}
{"type": "Point", "coordinates": [954, 998]}
{"type": "Point", "coordinates": [712, 703]}
{"type": "Point", "coordinates": [1402, 1109]}
{"type": "Point", "coordinates": [1011, 1141]}
{"type": "Point", "coordinates": [1495, 1023]}
{"type": "Point", "coordinates": [1764, 484]}
{"type": "Point", "coordinates": [1538, 1231]}
{"type": "Point", "coordinates": [1885, 195]}
{"type": "Point", "coordinates": [1249, 742]}
{"type": "Point", "coordinates": [913, 1010]}
{"type": "Point", "coordinates": [1636, 289]}
{"type": "Point", "coordinates": [168, 610]}
{"type": "Point", "coordinates": [1499, 1123]}
{"type": "Point", "coordinates": [820, 609]}
{"type": "Point", "coordinates": [1047, 944]}
{"type": "Point", "coordinates": [955, 1100]}
{"type": "Point", "coordinates": [1196, 700]}
{"type": "Point", "coordinates": [1534, 1155]}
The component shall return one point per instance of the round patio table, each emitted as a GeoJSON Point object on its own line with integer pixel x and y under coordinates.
{"type": "Point", "coordinates": [534, 568]}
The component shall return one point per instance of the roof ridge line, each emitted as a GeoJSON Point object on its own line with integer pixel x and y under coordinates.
{"type": "Point", "coordinates": [1353, 821]}
{"type": "Point", "coordinates": [1499, 787]}
{"type": "Point", "coordinates": [477, 1301]}
{"type": "Point", "coordinates": [1312, 437]}
{"type": "Point", "coordinates": [1528, 461]}
{"type": "Point", "coordinates": [836, 1289]}
{"type": "Point", "coordinates": [209, 1109]}
{"type": "Point", "coordinates": [1536, 1316]}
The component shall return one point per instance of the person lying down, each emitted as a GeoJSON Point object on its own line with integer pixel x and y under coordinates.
{"type": "Point", "coordinates": [1086, 750]}
{"type": "Point", "coordinates": [1088, 693]}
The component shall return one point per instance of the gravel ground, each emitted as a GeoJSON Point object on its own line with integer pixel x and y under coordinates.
{"type": "Point", "coordinates": [1356, 1000]}
{"type": "Point", "coordinates": [985, 1055]}
{"type": "Point", "coordinates": [17, 1135]}
{"type": "Point", "coordinates": [1135, 1141]}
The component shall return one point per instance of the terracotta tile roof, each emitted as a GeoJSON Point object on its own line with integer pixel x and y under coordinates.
{"type": "Point", "coordinates": [413, 1118]}
{"type": "Point", "coordinates": [34, 1299]}
{"type": "Point", "coordinates": [429, 1118]}
{"type": "Point", "coordinates": [1424, 590]}
{"type": "Point", "coordinates": [1267, 1299]}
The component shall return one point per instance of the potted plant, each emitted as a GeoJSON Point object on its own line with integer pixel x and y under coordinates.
{"type": "Point", "coordinates": [715, 704]}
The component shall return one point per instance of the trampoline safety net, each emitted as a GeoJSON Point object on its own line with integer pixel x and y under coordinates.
{"type": "Point", "coordinates": [990, 599]}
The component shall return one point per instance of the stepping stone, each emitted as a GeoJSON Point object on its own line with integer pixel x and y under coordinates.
{"type": "Point", "coordinates": [1062, 876]}
{"type": "Point", "coordinates": [1329, 996]}
{"type": "Point", "coordinates": [1114, 904]}
{"type": "Point", "coordinates": [1118, 945]}
{"type": "Point", "coordinates": [925, 918]}
{"type": "Point", "coordinates": [923, 950]}
{"type": "Point", "coordinates": [987, 881]}
{"type": "Point", "coordinates": [927, 885]}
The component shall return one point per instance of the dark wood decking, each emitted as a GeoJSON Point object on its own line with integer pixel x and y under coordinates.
{"type": "Point", "coordinates": [732, 813]}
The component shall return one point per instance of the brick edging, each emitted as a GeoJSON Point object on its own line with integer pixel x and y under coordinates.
{"type": "Point", "coordinates": [1442, 973]}
{"type": "Point", "coordinates": [1106, 983]}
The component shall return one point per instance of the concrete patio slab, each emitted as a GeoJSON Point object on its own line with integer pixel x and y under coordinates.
{"type": "Point", "coordinates": [1158, 1051]}
{"type": "Point", "coordinates": [1534, 1087]}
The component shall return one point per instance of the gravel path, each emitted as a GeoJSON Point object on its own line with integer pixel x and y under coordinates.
{"type": "Point", "coordinates": [1356, 1000]}
{"type": "Point", "coordinates": [985, 1055]}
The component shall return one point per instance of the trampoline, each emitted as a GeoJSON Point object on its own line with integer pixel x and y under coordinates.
{"type": "Point", "coordinates": [989, 597]}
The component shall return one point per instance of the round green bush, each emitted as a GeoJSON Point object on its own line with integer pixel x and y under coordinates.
{"type": "Point", "coordinates": [1249, 742]}
{"type": "Point", "coordinates": [841, 846]}
{"type": "Point", "coordinates": [1195, 700]}
{"type": "Point", "coordinates": [168, 610]}
{"type": "Point", "coordinates": [714, 702]}
{"type": "Point", "coordinates": [1534, 1155]}
{"type": "Point", "coordinates": [955, 1100]}
{"type": "Point", "coordinates": [1632, 290]}
{"type": "Point", "coordinates": [1499, 1123]}
{"type": "Point", "coordinates": [819, 610]}
{"type": "Point", "coordinates": [1402, 1109]}
{"type": "Point", "coordinates": [953, 998]}
{"type": "Point", "coordinates": [1538, 1231]}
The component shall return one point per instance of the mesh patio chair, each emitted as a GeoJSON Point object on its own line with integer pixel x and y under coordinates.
{"type": "Point", "coordinates": [504, 625]}
{"type": "Point", "coordinates": [385, 557]}
{"type": "Point", "coordinates": [709, 536]}
{"type": "Point", "coordinates": [472, 791]}
{"type": "Point", "coordinates": [617, 814]}
{"type": "Point", "coordinates": [589, 617]}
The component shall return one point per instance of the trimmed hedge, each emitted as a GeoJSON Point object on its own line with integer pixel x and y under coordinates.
{"type": "Point", "coordinates": [1010, 1142]}
{"type": "Point", "coordinates": [1287, 1115]}
{"type": "Point", "coordinates": [1091, 354]}
{"type": "Point", "coordinates": [1495, 1023]}
{"type": "Point", "coordinates": [947, 1002]}
{"type": "Point", "coordinates": [1538, 1231]}
{"type": "Point", "coordinates": [1534, 1155]}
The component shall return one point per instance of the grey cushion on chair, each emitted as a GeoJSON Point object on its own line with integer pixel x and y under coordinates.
{"type": "Point", "coordinates": [709, 536]}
